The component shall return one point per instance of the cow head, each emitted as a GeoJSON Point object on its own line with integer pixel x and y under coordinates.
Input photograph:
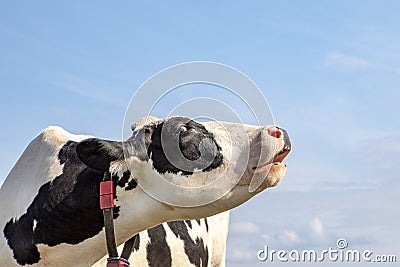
{"type": "Point", "coordinates": [176, 155]}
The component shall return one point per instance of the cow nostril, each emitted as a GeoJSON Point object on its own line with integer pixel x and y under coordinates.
{"type": "Point", "coordinates": [275, 132]}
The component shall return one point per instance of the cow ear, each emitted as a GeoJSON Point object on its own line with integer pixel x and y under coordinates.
{"type": "Point", "coordinates": [97, 154]}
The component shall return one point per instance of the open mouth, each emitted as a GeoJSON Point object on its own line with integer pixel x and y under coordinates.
{"type": "Point", "coordinates": [278, 159]}
{"type": "Point", "coordinates": [281, 155]}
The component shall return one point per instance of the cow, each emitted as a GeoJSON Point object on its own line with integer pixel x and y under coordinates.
{"type": "Point", "coordinates": [50, 200]}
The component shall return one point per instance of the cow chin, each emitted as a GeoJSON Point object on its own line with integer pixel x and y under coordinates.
{"type": "Point", "coordinates": [273, 177]}
{"type": "Point", "coordinates": [268, 176]}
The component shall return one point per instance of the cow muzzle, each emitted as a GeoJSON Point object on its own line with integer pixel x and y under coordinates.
{"type": "Point", "coordinates": [267, 168]}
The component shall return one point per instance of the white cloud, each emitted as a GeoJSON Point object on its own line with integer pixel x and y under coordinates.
{"type": "Point", "coordinates": [317, 227]}
{"type": "Point", "coordinates": [290, 237]}
{"type": "Point", "coordinates": [244, 228]}
{"type": "Point", "coordinates": [285, 238]}
{"type": "Point", "coordinates": [346, 62]}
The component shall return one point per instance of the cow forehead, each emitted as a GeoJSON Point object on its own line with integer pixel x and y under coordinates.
{"type": "Point", "coordinates": [232, 136]}
{"type": "Point", "coordinates": [230, 128]}
{"type": "Point", "coordinates": [212, 126]}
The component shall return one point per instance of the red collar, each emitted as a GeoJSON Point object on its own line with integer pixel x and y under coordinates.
{"type": "Point", "coordinates": [107, 194]}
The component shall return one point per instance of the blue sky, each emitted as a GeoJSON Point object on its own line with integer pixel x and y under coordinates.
{"type": "Point", "coordinates": [329, 69]}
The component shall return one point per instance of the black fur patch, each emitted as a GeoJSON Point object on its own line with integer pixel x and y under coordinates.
{"type": "Point", "coordinates": [131, 185]}
{"type": "Point", "coordinates": [137, 243]}
{"type": "Point", "coordinates": [65, 210]}
{"type": "Point", "coordinates": [121, 181]}
{"type": "Point", "coordinates": [20, 240]}
{"type": "Point", "coordinates": [158, 251]}
{"type": "Point", "coordinates": [189, 141]}
{"type": "Point", "coordinates": [189, 223]}
{"type": "Point", "coordinates": [196, 250]}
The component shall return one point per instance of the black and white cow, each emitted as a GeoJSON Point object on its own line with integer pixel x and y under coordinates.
{"type": "Point", "coordinates": [49, 202]}
{"type": "Point", "coordinates": [200, 243]}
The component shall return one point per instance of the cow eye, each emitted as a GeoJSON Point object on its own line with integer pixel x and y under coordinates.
{"type": "Point", "coordinates": [182, 129]}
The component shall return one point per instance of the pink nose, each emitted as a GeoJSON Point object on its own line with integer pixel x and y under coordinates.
{"type": "Point", "coordinates": [275, 132]}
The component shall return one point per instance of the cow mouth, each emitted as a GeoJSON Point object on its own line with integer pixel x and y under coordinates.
{"type": "Point", "coordinates": [281, 155]}
{"type": "Point", "coordinates": [277, 161]}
